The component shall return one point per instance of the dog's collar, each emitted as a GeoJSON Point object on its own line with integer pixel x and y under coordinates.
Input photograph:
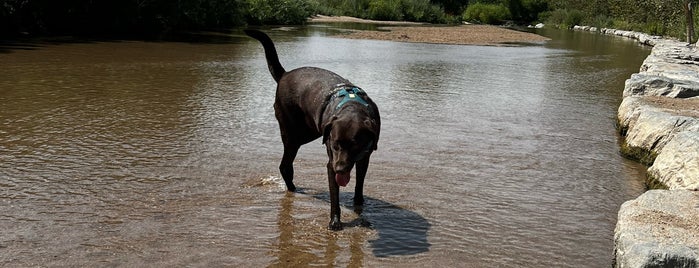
{"type": "Point", "coordinates": [349, 93]}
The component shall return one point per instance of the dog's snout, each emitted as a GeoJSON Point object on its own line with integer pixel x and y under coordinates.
{"type": "Point", "coordinates": [342, 166]}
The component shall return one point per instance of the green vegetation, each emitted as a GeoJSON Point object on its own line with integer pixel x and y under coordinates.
{"type": "Point", "coordinates": [643, 156]}
{"type": "Point", "coordinates": [487, 13]}
{"type": "Point", "coordinates": [278, 11]}
{"type": "Point", "coordinates": [659, 17]}
{"type": "Point", "coordinates": [410, 10]}
{"type": "Point", "coordinates": [653, 183]}
{"type": "Point", "coordinates": [117, 16]}
{"type": "Point", "coordinates": [662, 17]}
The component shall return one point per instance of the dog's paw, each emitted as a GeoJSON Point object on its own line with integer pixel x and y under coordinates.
{"type": "Point", "coordinates": [290, 187]}
{"type": "Point", "coordinates": [335, 225]}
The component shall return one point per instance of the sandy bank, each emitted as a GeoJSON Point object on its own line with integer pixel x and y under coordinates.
{"type": "Point", "coordinates": [434, 34]}
{"type": "Point", "coordinates": [341, 19]}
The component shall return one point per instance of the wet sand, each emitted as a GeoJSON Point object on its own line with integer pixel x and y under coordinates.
{"type": "Point", "coordinates": [436, 34]}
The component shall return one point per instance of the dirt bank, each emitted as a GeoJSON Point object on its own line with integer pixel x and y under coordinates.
{"type": "Point", "coordinates": [426, 33]}
{"type": "Point", "coordinates": [340, 19]}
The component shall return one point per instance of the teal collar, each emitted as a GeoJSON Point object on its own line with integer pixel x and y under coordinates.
{"type": "Point", "coordinates": [350, 93]}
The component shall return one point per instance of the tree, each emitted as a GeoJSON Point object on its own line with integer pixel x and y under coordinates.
{"type": "Point", "coordinates": [689, 13]}
{"type": "Point", "coordinates": [452, 7]}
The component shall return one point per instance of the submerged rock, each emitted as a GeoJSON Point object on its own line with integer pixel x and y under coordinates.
{"type": "Point", "coordinates": [658, 229]}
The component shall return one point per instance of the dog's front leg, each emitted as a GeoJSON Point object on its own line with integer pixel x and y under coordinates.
{"type": "Point", "coordinates": [362, 167]}
{"type": "Point", "coordinates": [335, 223]}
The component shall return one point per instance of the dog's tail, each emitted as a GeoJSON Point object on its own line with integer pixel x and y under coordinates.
{"type": "Point", "coordinates": [275, 67]}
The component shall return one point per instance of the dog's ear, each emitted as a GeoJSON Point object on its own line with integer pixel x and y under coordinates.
{"type": "Point", "coordinates": [328, 127]}
{"type": "Point", "coordinates": [326, 132]}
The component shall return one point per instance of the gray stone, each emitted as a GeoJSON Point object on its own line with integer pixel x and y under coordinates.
{"type": "Point", "coordinates": [656, 85]}
{"type": "Point", "coordinates": [660, 228]}
{"type": "Point", "coordinates": [651, 128]}
{"type": "Point", "coordinates": [677, 165]}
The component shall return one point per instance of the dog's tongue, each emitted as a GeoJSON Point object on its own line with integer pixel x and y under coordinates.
{"type": "Point", "coordinates": [342, 179]}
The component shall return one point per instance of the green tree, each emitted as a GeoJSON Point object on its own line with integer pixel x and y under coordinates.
{"type": "Point", "coordinates": [452, 6]}
{"type": "Point", "coordinates": [487, 13]}
{"type": "Point", "coordinates": [278, 11]}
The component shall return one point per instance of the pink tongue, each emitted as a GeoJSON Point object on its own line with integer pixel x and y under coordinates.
{"type": "Point", "coordinates": [342, 179]}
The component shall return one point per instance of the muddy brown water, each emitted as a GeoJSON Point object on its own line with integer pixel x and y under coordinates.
{"type": "Point", "coordinates": [166, 153]}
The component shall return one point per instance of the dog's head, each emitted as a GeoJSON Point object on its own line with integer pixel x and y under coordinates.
{"type": "Point", "coordinates": [349, 139]}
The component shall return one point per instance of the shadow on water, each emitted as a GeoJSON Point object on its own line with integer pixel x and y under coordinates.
{"type": "Point", "coordinates": [401, 232]}
{"type": "Point", "coordinates": [305, 241]}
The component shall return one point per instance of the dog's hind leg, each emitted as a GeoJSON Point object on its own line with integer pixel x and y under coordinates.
{"type": "Point", "coordinates": [287, 165]}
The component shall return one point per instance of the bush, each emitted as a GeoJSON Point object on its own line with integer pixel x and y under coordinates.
{"type": "Point", "coordinates": [421, 10]}
{"type": "Point", "coordinates": [278, 11]}
{"type": "Point", "coordinates": [563, 18]}
{"type": "Point", "coordinates": [601, 21]}
{"type": "Point", "coordinates": [624, 25]}
{"type": "Point", "coordinates": [532, 9]}
{"type": "Point", "coordinates": [385, 10]}
{"type": "Point", "coordinates": [411, 10]}
{"type": "Point", "coordinates": [574, 17]}
{"type": "Point", "coordinates": [487, 13]}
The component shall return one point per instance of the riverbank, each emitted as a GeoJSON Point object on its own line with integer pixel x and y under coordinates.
{"type": "Point", "coordinates": [659, 121]}
{"type": "Point", "coordinates": [424, 33]}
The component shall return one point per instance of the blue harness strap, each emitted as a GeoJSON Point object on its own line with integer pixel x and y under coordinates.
{"type": "Point", "coordinates": [350, 93]}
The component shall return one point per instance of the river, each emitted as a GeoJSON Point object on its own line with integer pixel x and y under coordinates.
{"type": "Point", "coordinates": [129, 153]}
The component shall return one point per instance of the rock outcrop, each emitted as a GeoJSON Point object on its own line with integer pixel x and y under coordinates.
{"type": "Point", "coordinates": [661, 108]}
{"type": "Point", "coordinates": [658, 229]}
{"type": "Point", "coordinates": [659, 120]}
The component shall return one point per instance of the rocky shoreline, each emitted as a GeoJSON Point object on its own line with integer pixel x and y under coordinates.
{"type": "Point", "coordinates": [659, 120]}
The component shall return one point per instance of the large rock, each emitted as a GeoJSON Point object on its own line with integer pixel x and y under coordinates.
{"type": "Point", "coordinates": [678, 164]}
{"type": "Point", "coordinates": [656, 85]}
{"type": "Point", "coordinates": [649, 123]}
{"type": "Point", "coordinates": [658, 229]}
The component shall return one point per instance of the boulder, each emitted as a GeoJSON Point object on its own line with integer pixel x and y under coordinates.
{"type": "Point", "coordinates": [657, 85]}
{"type": "Point", "coordinates": [652, 127]}
{"type": "Point", "coordinates": [677, 165]}
{"type": "Point", "coordinates": [660, 228]}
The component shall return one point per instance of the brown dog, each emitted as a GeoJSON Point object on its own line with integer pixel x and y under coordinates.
{"type": "Point", "coordinates": [313, 102]}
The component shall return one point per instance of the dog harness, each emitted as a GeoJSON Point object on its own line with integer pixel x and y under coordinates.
{"type": "Point", "coordinates": [350, 93]}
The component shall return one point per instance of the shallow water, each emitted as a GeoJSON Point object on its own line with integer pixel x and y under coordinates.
{"type": "Point", "coordinates": [166, 153]}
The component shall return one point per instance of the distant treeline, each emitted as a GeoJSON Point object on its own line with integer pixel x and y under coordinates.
{"type": "Point", "coordinates": [45, 17]}
{"type": "Point", "coordinates": [147, 17]}
{"type": "Point", "coordinates": [660, 17]}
